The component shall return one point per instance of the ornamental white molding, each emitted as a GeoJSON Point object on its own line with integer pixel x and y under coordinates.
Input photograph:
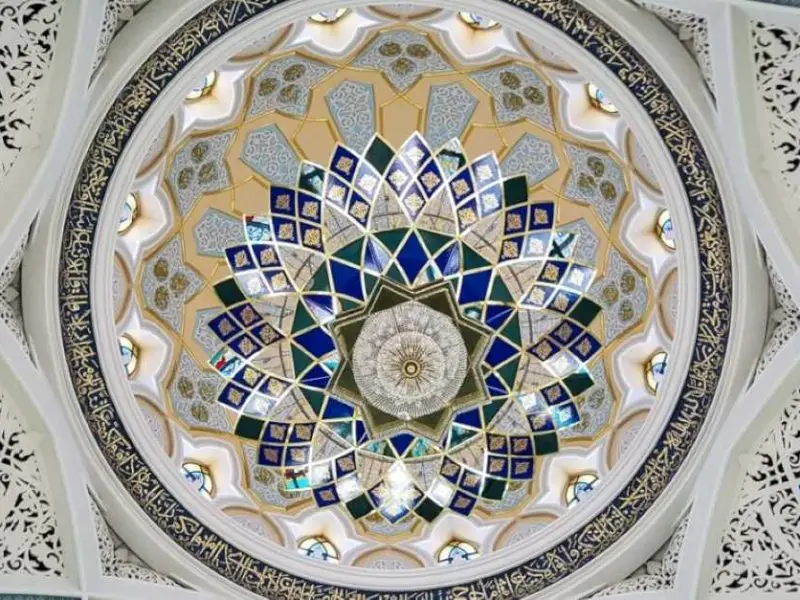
{"type": "Point", "coordinates": [31, 544]}
{"type": "Point", "coordinates": [760, 546]}
{"type": "Point", "coordinates": [10, 294]}
{"type": "Point", "coordinates": [28, 31]}
{"type": "Point", "coordinates": [117, 560]}
{"type": "Point", "coordinates": [658, 573]}
{"type": "Point", "coordinates": [116, 16]}
{"type": "Point", "coordinates": [785, 318]}
{"type": "Point", "coordinates": [691, 29]}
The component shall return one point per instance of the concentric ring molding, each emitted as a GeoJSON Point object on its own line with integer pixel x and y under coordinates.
{"type": "Point", "coordinates": [80, 334]}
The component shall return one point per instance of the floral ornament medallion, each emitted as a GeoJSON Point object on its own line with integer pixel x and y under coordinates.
{"type": "Point", "coordinates": [406, 343]}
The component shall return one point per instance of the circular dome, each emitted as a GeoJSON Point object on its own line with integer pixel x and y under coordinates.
{"type": "Point", "coordinates": [394, 284]}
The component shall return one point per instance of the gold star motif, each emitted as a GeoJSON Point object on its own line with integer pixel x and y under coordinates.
{"type": "Point", "coordinates": [344, 164]}
{"type": "Point", "coordinates": [561, 302]}
{"type": "Point", "coordinates": [336, 194]}
{"type": "Point", "coordinates": [225, 327]}
{"type": "Point", "coordinates": [275, 387]}
{"type": "Point", "coordinates": [248, 315]}
{"type": "Point", "coordinates": [551, 273]}
{"type": "Point", "coordinates": [311, 210]}
{"type": "Point", "coordinates": [520, 445]}
{"type": "Point", "coordinates": [286, 231]}
{"type": "Point", "coordinates": [484, 172]}
{"type": "Point", "coordinates": [359, 210]}
{"type": "Point", "coordinates": [414, 202]}
{"type": "Point", "coordinates": [510, 250]}
{"type": "Point", "coordinates": [398, 178]}
{"type": "Point", "coordinates": [544, 350]}
{"type": "Point", "coordinates": [368, 183]}
{"type": "Point", "coordinates": [267, 256]}
{"type": "Point", "coordinates": [585, 347]}
{"type": "Point", "coordinates": [461, 188]}
{"type": "Point", "coordinates": [312, 238]}
{"type": "Point", "coordinates": [467, 216]}
{"type": "Point", "coordinates": [277, 432]}
{"type": "Point", "coordinates": [513, 221]}
{"type": "Point", "coordinates": [430, 180]}
{"type": "Point", "coordinates": [246, 347]}
{"type": "Point", "coordinates": [540, 216]}
{"type": "Point", "coordinates": [240, 259]}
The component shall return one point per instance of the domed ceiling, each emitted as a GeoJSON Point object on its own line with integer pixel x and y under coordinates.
{"type": "Point", "coordinates": [393, 279]}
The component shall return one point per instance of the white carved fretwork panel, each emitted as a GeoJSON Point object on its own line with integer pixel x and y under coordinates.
{"type": "Point", "coordinates": [760, 548]}
{"type": "Point", "coordinates": [692, 31]}
{"type": "Point", "coordinates": [776, 51]}
{"type": "Point", "coordinates": [785, 318]}
{"type": "Point", "coordinates": [30, 541]}
{"type": "Point", "coordinates": [27, 39]}
{"type": "Point", "coordinates": [117, 14]}
{"type": "Point", "coordinates": [658, 573]}
{"type": "Point", "coordinates": [117, 559]}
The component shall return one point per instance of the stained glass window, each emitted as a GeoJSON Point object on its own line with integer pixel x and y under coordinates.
{"type": "Point", "coordinates": [393, 265]}
{"type": "Point", "coordinates": [664, 229]}
{"type": "Point", "coordinates": [129, 213]}
{"type": "Point", "coordinates": [477, 21]}
{"type": "Point", "coordinates": [318, 547]}
{"type": "Point", "coordinates": [204, 88]}
{"type": "Point", "coordinates": [599, 99]}
{"type": "Point", "coordinates": [329, 16]}
{"type": "Point", "coordinates": [199, 476]}
{"type": "Point", "coordinates": [456, 551]}
{"type": "Point", "coordinates": [654, 370]}
{"type": "Point", "coordinates": [579, 488]}
{"type": "Point", "coordinates": [129, 352]}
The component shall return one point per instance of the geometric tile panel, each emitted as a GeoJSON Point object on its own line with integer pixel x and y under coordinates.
{"type": "Point", "coordinates": [597, 180]}
{"type": "Point", "coordinates": [402, 56]}
{"type": "Point", "coordinates": [199, 168]}
{"type": "Point", "coordinates": [285, 84]}
{"type": "Point", "coordinates": [217, 231]}
{"type": "Point", "coordinates": [352, 106]}
{"type": "Point", "coordinates": [518, 93]}
{"type": "Point", "coordinates": [168, 283]}
{"type": "Point", "coordinates": [450, 108]}
{"type": "Point", "coordinates": [267, 152]}
{"type": "Point", "coordinates": [531, 157]}
{"type": "Point", "coordinates": [623, 295]}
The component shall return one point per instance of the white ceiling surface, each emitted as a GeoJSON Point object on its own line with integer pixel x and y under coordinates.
{"type": "Point", "coordinates": [767, 202]}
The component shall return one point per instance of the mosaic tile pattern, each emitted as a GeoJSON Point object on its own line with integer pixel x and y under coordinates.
{"type": "Point", "coordinates": [490, 211]}
{"type": "Point", "coordinates": [193, 395]}
{"type": "Point", "coordinates": [202, 334]}
{"type": "Point", "coordinates": [267, 152]}
{"type": "Point", "coordinates": [597, 180]}
{"type": "Point", "coordinates": [450, 109]}
{"type": "Point", "coordinates": [531, 157]}
{"type": "Point", "coordinates": [623, 295]}
{"type": "Point", "coordinates": [595, 406]}
{"type": "Point", "coordinates": [266, 484]}
{"type": "Point", "coordinates": [199, 168]}
{"type": "Point", "coordinates": [402, 55]}
{"type": "Point", "coordinates": [285, 85]}
{"type": "Point", "coordinates": [217, 231]}
{"type": "Point", "coordinates": [168, 283]}
{"type": "Point", "coordinates": [352, 106]}
{"type": "Point", "coordinates": [586, 242]}
{"type": "Point", "coordinates": [518, 93]}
